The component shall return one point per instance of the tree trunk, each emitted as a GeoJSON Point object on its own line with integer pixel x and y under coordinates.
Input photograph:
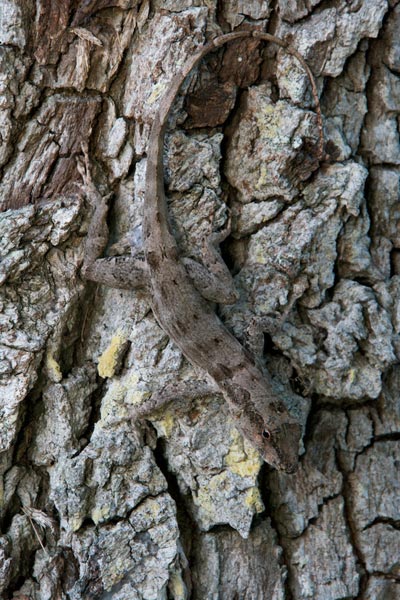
{"type": "Point", "coordinates": [96, 506]}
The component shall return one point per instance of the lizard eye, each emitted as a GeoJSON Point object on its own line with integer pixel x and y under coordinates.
{"type": "Point", "coordinates": [266, 434]}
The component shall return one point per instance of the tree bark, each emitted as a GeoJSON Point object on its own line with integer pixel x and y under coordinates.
{"type": "Point", "coordinates": [95, 506]}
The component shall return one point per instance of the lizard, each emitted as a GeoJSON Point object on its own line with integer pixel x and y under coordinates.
{"type": "Point", "coordinates": [184, 307]}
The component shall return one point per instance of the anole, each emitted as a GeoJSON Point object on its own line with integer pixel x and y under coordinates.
{"type": "Point", "coordinates": [181, 293]}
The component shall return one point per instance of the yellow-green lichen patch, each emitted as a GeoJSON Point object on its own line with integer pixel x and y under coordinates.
{"type": "Point", "coordinates": [269, 121]}
{"type": "Point", "coordinates": [121, 395]}
{"type": "Point", "coordinates": [207, 493]}
{"type": "Point", "coordinates": [134, 395]}
{"type": "Point", "coordinates": [242, 459]}
{"type": "Point", "coordinates": [166, 425]}
{"type": "Point", "coordinates": [260, 256]}
{"type": "Point", "coordinates": [226, 497]}
{"type": "Point", "coordinates": [53, 368]}
{"type": "Point", "coordinates": [75, 523]}
{"type": "Point", "coordinates": [113, 402]}
{"type": "Point", "coordinates": [253, 500]}
{"type": "Point", "coordinates": [100, 514]}
{"type": "Point", "coordinates": [263, 178]}
{"type": "Point", "coordinates": [151, 510]}
{"type": "Point", "coordinates": [111, 356]}
{"type": "Point", "coordinates": [352, 375]}
{"type": "Point", "coordinates": [238, 505]}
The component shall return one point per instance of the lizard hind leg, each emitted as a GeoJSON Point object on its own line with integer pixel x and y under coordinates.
{"type": "Point", "coordinates": [178, 392]}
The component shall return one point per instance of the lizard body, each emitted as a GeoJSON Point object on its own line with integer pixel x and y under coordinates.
{"type": "Point", "coordinates": [189, 319]}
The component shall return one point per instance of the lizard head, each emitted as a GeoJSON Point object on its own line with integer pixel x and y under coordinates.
{"type": "Point", "coordinates": [281, 445]}
{"type": "Point", "coordinates": [275, 438]}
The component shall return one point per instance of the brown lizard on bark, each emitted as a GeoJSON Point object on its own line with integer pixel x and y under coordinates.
{"type": "Point", "coordinates": [181, 291]}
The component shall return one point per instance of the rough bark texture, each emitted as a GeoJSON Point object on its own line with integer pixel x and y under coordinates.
{"type": "Point", "coordinates": [92, 506]}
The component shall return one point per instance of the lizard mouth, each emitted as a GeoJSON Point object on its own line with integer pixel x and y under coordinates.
{"type": "Point", "coordinates": [290, 469]}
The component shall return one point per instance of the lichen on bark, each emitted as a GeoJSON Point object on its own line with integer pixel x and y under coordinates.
{"type": "Point", "coordinates": [93, 505]}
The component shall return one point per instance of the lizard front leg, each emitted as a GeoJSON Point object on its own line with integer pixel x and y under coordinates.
{"type": "Point", "coordinates": [212, 278]}
{"type": "Point", "coordinates": [126, 272]}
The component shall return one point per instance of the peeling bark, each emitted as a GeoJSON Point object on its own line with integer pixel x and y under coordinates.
{"type": "Point", "coordinates": [95, 506]}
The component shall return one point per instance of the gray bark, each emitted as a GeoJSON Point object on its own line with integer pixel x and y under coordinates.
{"type": "Point", "coordinates": [92, 505]}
